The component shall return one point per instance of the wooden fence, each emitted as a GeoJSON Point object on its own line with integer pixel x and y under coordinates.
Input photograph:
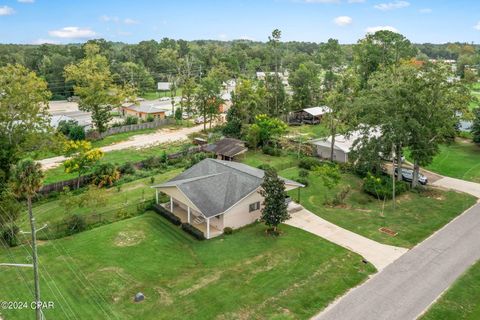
{"type": "Point", "coordinates": [135, 127]}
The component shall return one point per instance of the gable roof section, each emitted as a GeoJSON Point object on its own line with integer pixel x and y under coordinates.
{"type": "Point", "coordinates": [345, 143]}
{"type": "Point", "coordinates": [228, 147]}
{"type": "Point", "coordinates": [214, 186]}
{"type": "Point", "coordinates": [317, 111]}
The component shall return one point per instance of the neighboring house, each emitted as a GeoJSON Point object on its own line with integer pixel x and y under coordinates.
{"type": "Point", "coordinates": [143, 109]}
{"type": "Point", "coordinates": [343, 145]}
{"type": "Point", "coordinates": [311, 115]}
{"type": "Point", "coordinates": [215, 194]}
{"type": "Point", "coordinates": [227, 148]}
{"type": "Point", "coordinates": [226, 102]}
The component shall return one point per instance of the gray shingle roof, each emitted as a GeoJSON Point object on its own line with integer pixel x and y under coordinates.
{"type": "Point", "coordinates": [228, 147]}
{"type": "Point", "coordinates": [214, 186]}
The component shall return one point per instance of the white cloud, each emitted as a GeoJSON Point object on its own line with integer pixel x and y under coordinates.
{"type": "Point", "coordinates": [321, 1]}
{"type": "Point", "coordinates": [26, 1]}
{"type": "Point", "coordinates": [378, 28]}
{"type": "Point", "coordinates": [477, 26]}
{"type": "Point", "coordinates": [130, 21]}
{"type": "Point", "coordinates": [45, 41]}
{"type": "Point", "coordinates": [356, 1]}
{"type": "Point", "coordinates": [425, 10]}
{"type": "Point", "coordinates": [73, 33]}
{"type": "Point", "coordinates": [223, 37]}
{"type": "Point", "coordinates": [398, 4]}
{"type": "Point", "coordinates": [342, 21]}
{"type": "Point", "coordinates": [6, 11]}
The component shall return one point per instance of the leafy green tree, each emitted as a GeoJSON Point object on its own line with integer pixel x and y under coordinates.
{"type": "Point", "coordinates": [24, 121]}
{"type": "Point", "coordinates": [234, 125]}
{"type": "Point", "coordinates": [248, 100]}
{"type": "Point", "coordinates": [274, 211]}
{"type": "Point", "coordinates": [105, 174]}
{"type": "Point", "coordinates": [331, 57]}
{"type": "Point", "coordinates": [83, 157]}
{"type": "Point", "coordinates": [188, 96]}
{"type": "Point", "coordinates": [27, 179]}
{"type": "Point", "coordinates": [265, 130]}
{"type": "Point", "coordinates": [208, 99]}
{"type": "Point", "coordinates": [95, 86]}
{"type": "Point", "coordinates": [135, 75]}
{"type": "Point", "coordinates": [476, 126]}
{"type": "Point", "coordinates": [305, 82]}
{"type": "Point", "coordinates": [382, 48]}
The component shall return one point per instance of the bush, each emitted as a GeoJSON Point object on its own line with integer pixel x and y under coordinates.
{"type": "Point", "coordinates": [227, 230]}
{"type": "Point", "coordinates": [308, 163]}
{"type": "Point", "coordinates": [75, 224]}
{"type": "Point", "coordinates": [303, 173]}
{"type": "Point", "coordinates": [381, 187]}
{"type": "Point", "coordinates": [123, 213]}
{"type": "Point", "coordinates": [127, 168]}
{"type": "Point", "coordinates": [197, 234]}
{"type": "Point", "coordinates": [152, 180]}
{"type": "Point", "coordinates": [71, 130]}
{"type": "Point", "coordinates": [167, 215]}
{"type": "Point", "coordinates": [264, 167]}
{"type": "Point", "coordinates": [10, 235]}
{"type": "Point", "coordinates": [150, 118]}
{"type": "Point", "coordinates": [272, 151]}
{"type": "Point", "coordinates": [302, 180]}
{"type": "Point", "coordinates": [131, 120]}
{"type": "Point", "coordinates": [153, 162]}
{"type": "Point", "coordinates": [196, 158]}
{"type": "Point", "coordinates": [105, 174]}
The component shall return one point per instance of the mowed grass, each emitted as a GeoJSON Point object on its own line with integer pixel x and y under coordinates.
{"type": "Point", "coordinates": [310, 131]}
{"type": "Point", "coordinates": [416, 216]}
{"type": "Point", "coordinates": [118, 157]}
{"type": "Point", "coordinates": [130, 194]}
{"type": "Point", "coordinates": [247, 275]}
{"type": "Point", "coordinates": [458, 160]}
{"type": "Point", "coordinates": [256, 158]}
{"type": "Point", "coordinates": [461, 300]}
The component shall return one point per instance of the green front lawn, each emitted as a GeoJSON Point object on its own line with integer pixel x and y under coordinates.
{"type": "Point", "coordinates": [256, 158]}
{"type": "Point", "coordinates": [415, 218]}
{"type": "Point", "coordinates": [458, 160]}
{"type": "Point", "coordinates": [461, 300]}
{"type": "Point", "coordinates": [247, 275]}
{"type": "Point", "coordinates": [118, 157]}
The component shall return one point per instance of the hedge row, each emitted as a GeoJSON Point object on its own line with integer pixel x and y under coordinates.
{"type": "Point", "coordinates": [197, 234]}
{"type": "Point", "coordinates": [167, 214]}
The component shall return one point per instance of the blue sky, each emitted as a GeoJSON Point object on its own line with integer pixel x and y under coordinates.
{"type": "Point", "coordinates": [63, 21]}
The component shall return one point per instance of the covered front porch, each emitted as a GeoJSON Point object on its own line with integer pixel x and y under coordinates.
{"type": "Point", "coordinates": [211, 227]}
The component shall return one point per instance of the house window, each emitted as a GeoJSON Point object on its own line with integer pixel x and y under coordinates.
{"type": "Point", "coordinates": [254, 207]}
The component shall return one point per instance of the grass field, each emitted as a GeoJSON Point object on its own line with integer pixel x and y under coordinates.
{"type": "Point", "coordinates": [415, 218]}
{"type": "Point", "coordinates": [130, 194]}
{"type": "Point", "coordinates": [118, 157]}
{"type": "Point", "coordinates": [309, 131]}
{"type": "Point", "coordinates": [152, 95]}
{"type": "Point", "coordinates": [247, 275]}
{"type": "Point", "coordinates": [458, 160]}
{"type": "Point", "coordinates": [461, 300]}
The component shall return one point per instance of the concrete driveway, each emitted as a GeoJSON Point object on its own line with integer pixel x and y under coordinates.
{"type": "Point", "coordinates": [380, 255]}
{"type": "Point", "coordinates": [459, 185]}
{"type": "Point", "coordinates": [406, 288]}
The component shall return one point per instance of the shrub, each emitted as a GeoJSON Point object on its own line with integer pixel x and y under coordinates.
{"type": "Point", "coordinates": [227, 230]}
{"type": "Point", "coordinates": [10, 235]}
{"type": "Point", "coordinates": [105, 174]}
{"type": "Point", "coordinates": [150, 118]}
{"type": "Point", "coordinates": [131, 120]}
{"type": "Point", "coordinates": [303, 173]}
{"type": "Point", "coordinates": [75, 224]}
{"type": "Point", "coordinates": [308, 163]}
{"type": "Point", "coordinates": [196, 158]}
{"type": "Point", "coordinates": [302, 180]}
{"type": "Point", "coordinates": [197, 234]}
{"type": "Point", "coordinates": [265, 167]}
{"type": "Point", "coordinates": [271, 151]}
{"type": "Point", "coordinates": [167, 215]}
{"type": "Point", "coordinates": [71, 130]}
{"type": "Point", "coordinates": [381, 186]}
{"type": "Point", "coordinates": [127, 168]}
{"type": "Point", "coordinates": [153, 162]}
{"type": "Point", "coordinates": [123, 213]}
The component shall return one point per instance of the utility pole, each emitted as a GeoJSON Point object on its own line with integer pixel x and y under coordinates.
{"type": "Point", "coordinates": [393, 176]}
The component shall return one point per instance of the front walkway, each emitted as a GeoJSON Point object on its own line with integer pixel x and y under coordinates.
{"type": "Point", "coordinates": [380, 255]}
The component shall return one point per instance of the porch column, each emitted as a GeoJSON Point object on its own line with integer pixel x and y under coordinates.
{"type": "Point", "coordinates": [208, 228]}
{"type": "Point", "coordinates": [156, 195]}
{"type": "Point", "coordinates": [188, 212]}
{"type": "Point", "coordinates": [171, 204]}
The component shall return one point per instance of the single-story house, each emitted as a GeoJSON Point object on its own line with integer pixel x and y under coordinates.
{"type": "Point", "coordinates": [215, 194]}
{"type": "Point", "coordinates": [226, 102]}
{"type": "Point", "coordinates": [227, 148]}
{"type": "Point", "coordinates": [311, 115]}
{"type": "Point", "coordinates": [143, 109]}
{"type": "Point", "coordinates": [342, 147]}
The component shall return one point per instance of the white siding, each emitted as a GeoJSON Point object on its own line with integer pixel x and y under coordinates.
{"type": "Point", "coordinates": [324, 153]}
{"type": "Point", "coordinates": [239, 215]}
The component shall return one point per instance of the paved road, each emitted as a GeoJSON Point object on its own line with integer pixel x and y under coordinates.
{"type": "Point", "coordinates": [138, 141]}
{"type": "Point", "coordinates": [407, 287]}
{"type": "Point", "coordinates": [459, 185]}
{"type": "Point", "coordinates": [380, 255]}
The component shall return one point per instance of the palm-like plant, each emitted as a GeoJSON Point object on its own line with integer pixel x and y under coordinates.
{"type": "Point", "coordinates": [27, 179]}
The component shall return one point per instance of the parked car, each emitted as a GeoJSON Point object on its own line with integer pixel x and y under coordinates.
{"type": "Point", "coordinates": [165, 99]}
{"type": "Point", "coordinates": [407, 175]}
{"type": "Point", "coordinates": [199, 120]}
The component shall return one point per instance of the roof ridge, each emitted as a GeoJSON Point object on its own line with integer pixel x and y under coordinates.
{"type": "Point", "coordinates": [224, 163]}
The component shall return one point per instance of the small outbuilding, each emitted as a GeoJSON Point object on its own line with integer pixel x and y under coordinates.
{"type": "Point", "coordinates": [311, 115]}
{"type": "Point", "coordinates": [227, 148]}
